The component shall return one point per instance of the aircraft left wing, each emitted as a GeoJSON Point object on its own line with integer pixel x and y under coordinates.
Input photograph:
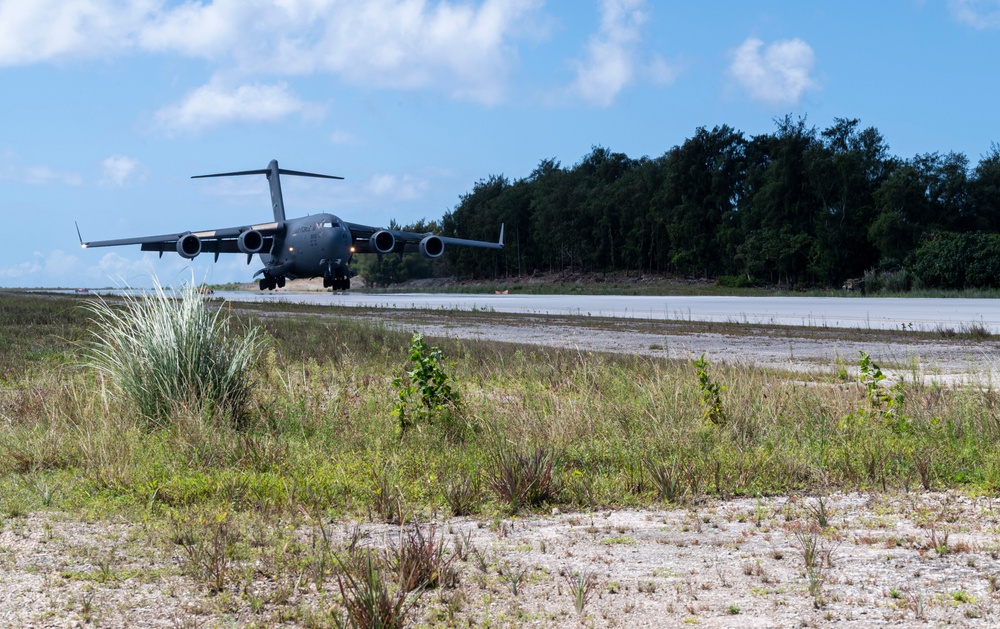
{"type": "Point", "coordinates": [249, 239]}
{"type": "Point", "coordinates": [367, 239]}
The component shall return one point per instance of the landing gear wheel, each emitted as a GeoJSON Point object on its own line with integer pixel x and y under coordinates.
{"type": "Point", "coordinates": [281, 282]}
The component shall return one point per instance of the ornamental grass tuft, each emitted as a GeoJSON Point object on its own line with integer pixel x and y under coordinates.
{"type": "Point", "coordinates": [161, 354]}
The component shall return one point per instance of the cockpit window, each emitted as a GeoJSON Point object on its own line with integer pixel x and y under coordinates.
{"type": "Point", "coordinates": [326, 225]}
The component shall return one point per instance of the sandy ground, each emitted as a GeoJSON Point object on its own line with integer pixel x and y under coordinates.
{"type": "Point", "coordinates": [915, 560]}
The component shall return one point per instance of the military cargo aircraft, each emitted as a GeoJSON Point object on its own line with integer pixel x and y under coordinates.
{"type": "Point", "coordinates": [320, 245]}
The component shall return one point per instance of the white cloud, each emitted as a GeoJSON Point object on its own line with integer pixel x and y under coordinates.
{"type": "Point", "coordinates": [405, 188]}
{"type": "Point", "coordinates": [777, 73]}
{"type": "Point", "coordinates": [21, 270]}
{"type": "Point", "coordinates": [117, 169]}
{"type": "Point", "coordinates": [662, 72]}
{"type": "Point", "coordinates": [41, 175]}
{"type": "Point", "coordinates": [980, 14]}
{"type": "Point", "coordinates": [43, 30]}
{"type": "Point", "coordinates": [343, 137]}
{"type": "Point", "coordinates": [407, 44]}
{"type": "Point", "coordinates": [11, 169]}
{"type": "Point", "coordinates": [460, 47]}
{"type": "Point", "coordinates": [610, 62]}
{"type": "Point", "coordinates": [215, 103]}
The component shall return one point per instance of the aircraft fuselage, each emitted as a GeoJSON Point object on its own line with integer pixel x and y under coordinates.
{"type": "Point", "coordinates": [313, 246]}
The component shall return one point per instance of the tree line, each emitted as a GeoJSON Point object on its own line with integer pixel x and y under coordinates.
{"type": "Point", "coordinates": [796, 207]}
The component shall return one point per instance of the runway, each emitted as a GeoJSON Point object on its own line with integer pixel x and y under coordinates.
{"type": "Point", "coordinates": [927, 314]}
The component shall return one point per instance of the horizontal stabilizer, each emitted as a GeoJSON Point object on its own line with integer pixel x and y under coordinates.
{"type": "Point", "coordinates": [267, 171]}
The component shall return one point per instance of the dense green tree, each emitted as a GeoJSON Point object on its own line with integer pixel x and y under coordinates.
{"type": "Point", "coordinates": [796, 206]}
{"type": "Point", "coordinates": [984, 191]}
{"type": "Point", "coordinates": [845, 172]}
{"type": "Point", "coordinates": [704, 177]}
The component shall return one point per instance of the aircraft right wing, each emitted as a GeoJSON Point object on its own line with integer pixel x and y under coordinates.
{"type": "Point", "coordinates": [367, 239]}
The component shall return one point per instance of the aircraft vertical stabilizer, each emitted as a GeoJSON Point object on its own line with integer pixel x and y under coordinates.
{"type": "Point", "coordinates": [274, 179]}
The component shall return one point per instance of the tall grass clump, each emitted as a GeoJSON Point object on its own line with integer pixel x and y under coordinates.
{"type": "Point", "coordinates": [161, 354]}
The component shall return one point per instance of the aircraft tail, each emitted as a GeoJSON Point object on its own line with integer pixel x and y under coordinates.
{"type": "Point", "coordinates": [273, 177]}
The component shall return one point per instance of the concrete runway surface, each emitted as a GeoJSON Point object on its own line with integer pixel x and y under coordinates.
{"type": "Point", "coordinates": [925, 314]}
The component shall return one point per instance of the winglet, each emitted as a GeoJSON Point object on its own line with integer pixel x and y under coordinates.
{"type": "Point", "coordinates": [82, 244]}
{"type": "Point", "coordinates": [501, 235]}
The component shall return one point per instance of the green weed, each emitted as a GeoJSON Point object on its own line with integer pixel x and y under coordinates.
{"type": "Point", "coordinates": [420, 557]}
{"type": "Point", "coordinates": [711, 394]}
{"type": "Point", "coordinates": [883, 403]}
{"type": "Point", "coordinates": [581, 586]}
{"type": "Point", "coordinates": [523, 477]}
{"type": "Point", "coordinates": [368, 600]}
{"type": "Point", "coordinates": [431, 385]}
{"type": "Point", "coordinates": [208, 541]}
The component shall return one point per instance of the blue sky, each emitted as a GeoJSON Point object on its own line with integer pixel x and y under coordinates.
{"type": "Point", "coordinates": [109, 107]}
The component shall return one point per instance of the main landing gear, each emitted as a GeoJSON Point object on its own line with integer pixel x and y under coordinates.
{"type": "Point", "coordinates": [336, 283]}
{"type": "Point", "coordinates": [269, 282]}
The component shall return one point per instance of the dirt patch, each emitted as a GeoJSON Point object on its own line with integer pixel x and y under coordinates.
{"type": "Point", "coordinates": [914, 559]}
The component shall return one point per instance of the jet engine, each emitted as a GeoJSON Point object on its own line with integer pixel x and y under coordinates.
{"type": "Point", "coordinates": [189, 246]}
{"type": "Point", "coordinates": [382, 242]}
{"type": "Point", "coordinates": [250, 241]}
{"type": "Point", "coordinates": [431, 247]}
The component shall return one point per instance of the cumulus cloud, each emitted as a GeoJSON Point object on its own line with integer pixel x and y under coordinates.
{"type": "Point", "coordinates": [43, 269]}
{"type": "Point", "coordinates": [980, 14]}
{"type": "Point", "coordinates": [12, 169]}
{"type": "Point", "coordinates": [405, 188]}
{"type": "Point", "coordinates": [216, 103]}
{"type": "Point", "coordinates": [21, 270]}
{"type": "Point", "coordinates": [463, 48]}
{"type": "Point", "coordinates": [609, 64]}
{"type": "Point", "coordinates": [117, 169]}
{"type": "Point", "coordinates": [44, 30]}
{"type": "Point", "coordinates": [777, 73]}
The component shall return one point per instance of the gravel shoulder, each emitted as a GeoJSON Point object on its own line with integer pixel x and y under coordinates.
{"type": "Point", "coordinates": [927, 559]}
{"type": "Point", "coordinates": [903, 355]}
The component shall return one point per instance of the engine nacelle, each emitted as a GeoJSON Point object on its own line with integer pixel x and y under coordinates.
{"type": "Point", "coordinates": [250, 241]}
{"type": "Point", "coordinates": [189, 246]}
{"type": "Point", "coordinates": [431, 247]}
{"type": "Point", "coordinates": [382, 242]}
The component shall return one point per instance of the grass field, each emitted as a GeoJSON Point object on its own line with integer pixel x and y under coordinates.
{"type": "Point", "coordinates": [522, 430]}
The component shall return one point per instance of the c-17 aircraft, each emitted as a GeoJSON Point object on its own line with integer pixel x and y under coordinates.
{"type": "Point", "coordinates": [319, 245]}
